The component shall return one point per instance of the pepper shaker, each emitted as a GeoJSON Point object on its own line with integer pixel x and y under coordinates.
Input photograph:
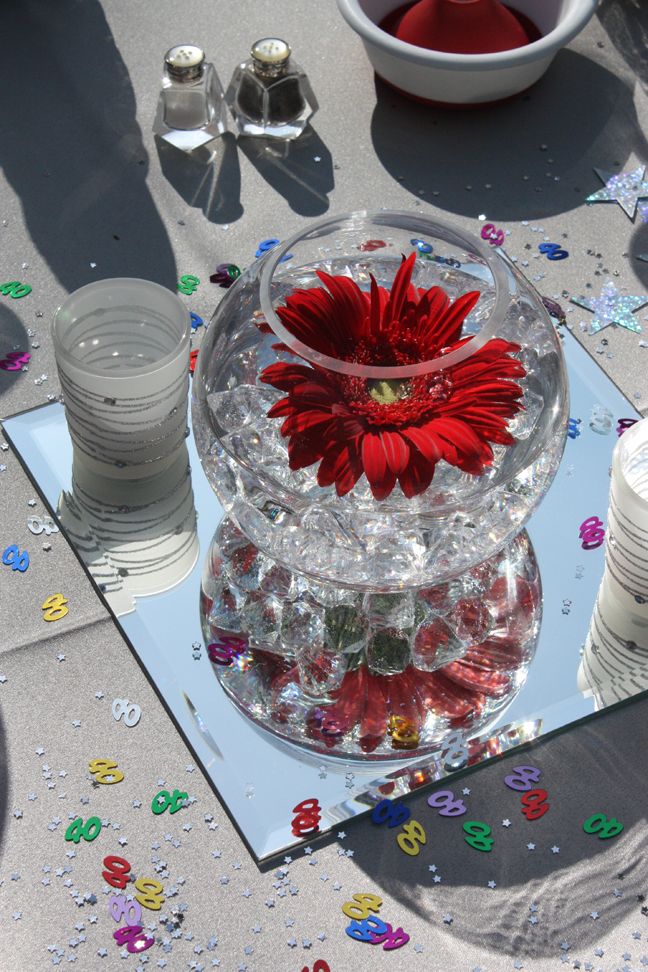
{"type": "Point", "coordinates": [269, 94]}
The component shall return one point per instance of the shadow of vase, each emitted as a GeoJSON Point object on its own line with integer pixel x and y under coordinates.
{"type": "Point", "coordinates": [512, 160]}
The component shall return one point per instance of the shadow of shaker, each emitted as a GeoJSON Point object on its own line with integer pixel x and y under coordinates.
{"type": "Point", "coordinates": [300, 170]}
{"type": "Point", "coordinates": [208, 179]}
{"type": "Point", "coordinates": [136, 537]}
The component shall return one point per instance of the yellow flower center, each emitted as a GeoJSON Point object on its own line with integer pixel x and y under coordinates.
{"type": "Point", "coordinates": [388, 391]}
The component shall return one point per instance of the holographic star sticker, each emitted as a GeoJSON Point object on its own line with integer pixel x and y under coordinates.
{"type": "Point", "coordinates": [626, 188]}
{"type": "Point", "coordinates": [612, 308]}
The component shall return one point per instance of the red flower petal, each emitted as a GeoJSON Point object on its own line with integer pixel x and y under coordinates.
{"type": "Point", "coordinates": [285, 376]}
{"type": "Point", "coordinates": [399, 290]}
{"type": "Point", "coordinates": [306, 418]}
{"type": "Point", "coordinates": [449, 327]}
{"type": "Point", "coordinates": [381, 479]}
{"type": "Point", "coordinates": [416, 478]}
{"type": "Point", "coordinates": [396, 451]}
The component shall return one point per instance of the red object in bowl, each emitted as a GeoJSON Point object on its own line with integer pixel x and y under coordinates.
{"type": "Point", "coordinates": [461, 26]}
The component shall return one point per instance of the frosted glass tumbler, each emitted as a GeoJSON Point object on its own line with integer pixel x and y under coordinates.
{"type": "Point", "coordinates": [122, 352]}
{"type": "Point", "coordinates": [626, 550]}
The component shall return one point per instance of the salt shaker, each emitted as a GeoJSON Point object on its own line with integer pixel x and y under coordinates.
{"type": "Point", "coordinates": [191, 108]}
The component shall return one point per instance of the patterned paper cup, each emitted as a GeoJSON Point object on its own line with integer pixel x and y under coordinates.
{"type": "Point", "coordinates": [122, 352]}
{"type": "Point", "coordinates": [626, 552]}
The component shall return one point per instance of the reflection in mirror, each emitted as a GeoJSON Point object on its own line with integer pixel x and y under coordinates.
{"type": "Point", "coordinates": [244, 761]}
{"type": "Point", "coordinates": [136, 538]}
{"type": "Point", "coordinates": [614, 665]}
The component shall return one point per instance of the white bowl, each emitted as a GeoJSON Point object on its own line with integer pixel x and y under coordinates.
{"type": "Point", "coordinates": [466, 79]}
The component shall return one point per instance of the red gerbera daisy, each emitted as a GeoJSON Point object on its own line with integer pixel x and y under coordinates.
{"type": "Point", "coordinates": [390, 430]}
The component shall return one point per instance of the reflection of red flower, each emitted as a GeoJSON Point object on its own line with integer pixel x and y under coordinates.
{"type": "Point", "coordinates": [391, 429]}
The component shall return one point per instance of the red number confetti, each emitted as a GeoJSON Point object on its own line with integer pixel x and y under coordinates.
{"type": "Point", "coordinates": [307, 819]}
{"type": "Point", "coordinates": [534, 804]}
{"type": "Point", "coordinates": [117, 872]}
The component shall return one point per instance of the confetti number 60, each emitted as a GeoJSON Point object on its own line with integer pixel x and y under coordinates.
{"type": "Point", "coordinates": [393, 814]}
{"type": "Point", "coordinates": [392, 939]}
{"type": "Point", "coordinates": [534, 804]}
{"type": "Point", "coordinates": [522, 777]}
{"type": "Point", "coordinates": [412, 835]}
{"type": "Point", "coordinates": [454, 751]}
{"type": "Point", "coordinates": [134, 938]}
{"type": "Point", "coordinates": [604, 826]}
{"type": "Point", "coordinates": [105, 771]}
{"type": "Point", "coordinates": [55, 607]}
{"type": "Point", "coordinates": [150, 895]}
{"type": "Point", "coordinates": [361, 931]}
{"type": "Point", "coordinates": [477, 835]}
{"type": "Point", "coordinates": [173, 802]}
{"type": "Point", "coordinates": [14, 361]}
{"type": "Point", "coordinates": [446, 800]}
{"type": "Point", "coordinates": [79, 829]}
{"type": "Point", "coordinates": [12, 557]}
{"type": "Point", "coordinates": [15, 289]}
{"type": "Point", "coordinates": [120, 907]}
{"type": "Point", "coordinates": [117, 873]}
{"type": "Point", "coordinates": [365, 904]}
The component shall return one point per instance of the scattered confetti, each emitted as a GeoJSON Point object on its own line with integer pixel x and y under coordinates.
{"type": "Point", "coordinates": [15, 289]}
{"type": "Point", "coordinates": [55, 607]}
{"type": "Point", "coordinates": [130, 711]}
{"type": "Point", "coordinates": [591, 533]}
{"type": "Point", "coordinates": [477, 835]}
{"type": "Point", "coordinates": [612, 307]}
{"type": "Point", "coordinates": [105, 771]}
{"type": "Point", "coordinates": [624, 188]}
{"type": "Point", "coordinates": [308, 817]}
{"type": "Point", "coordinates": [491, 233]}
{"type": "Point", "coordinates": [15, 360]}
{"type": "Point", "coordinates": [163, 801]}
{"type": "Point", "coordinates": [449, 806]}
{"type": "Point", "coordinates": [605, 827]}
{"type": "Point", "coordinates": [37, 524]}
{"type": "Point", "coordinates": [410, 838]}
{"type": "Point", "coordinates": [225, 275]}
{"type": "Point", "coordinates": [624, 424]}
{"type": "Point", "coordinates": [393, 814]}
{"type": "Point", "coordinates": [12, 557]}
{"type": "Point", "coordinates": [522, 777]}
{"type": "Point", "coordinates": [573, 430]}
{"type": "Point", "coordinates": [534, 804]}
{"type": "Point", "coordinates": [553, 251]}
{"type": "Point", "coordinates": [188, 284]}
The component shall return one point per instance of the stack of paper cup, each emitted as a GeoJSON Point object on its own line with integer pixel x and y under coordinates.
{"type": "Point", "coordinates": [615, 659]}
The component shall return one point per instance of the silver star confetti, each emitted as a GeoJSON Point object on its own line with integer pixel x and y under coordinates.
{"type": "Point", "coordinates": [625, 188]}
{"type": "Point", "coordinates": [612, 307]}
